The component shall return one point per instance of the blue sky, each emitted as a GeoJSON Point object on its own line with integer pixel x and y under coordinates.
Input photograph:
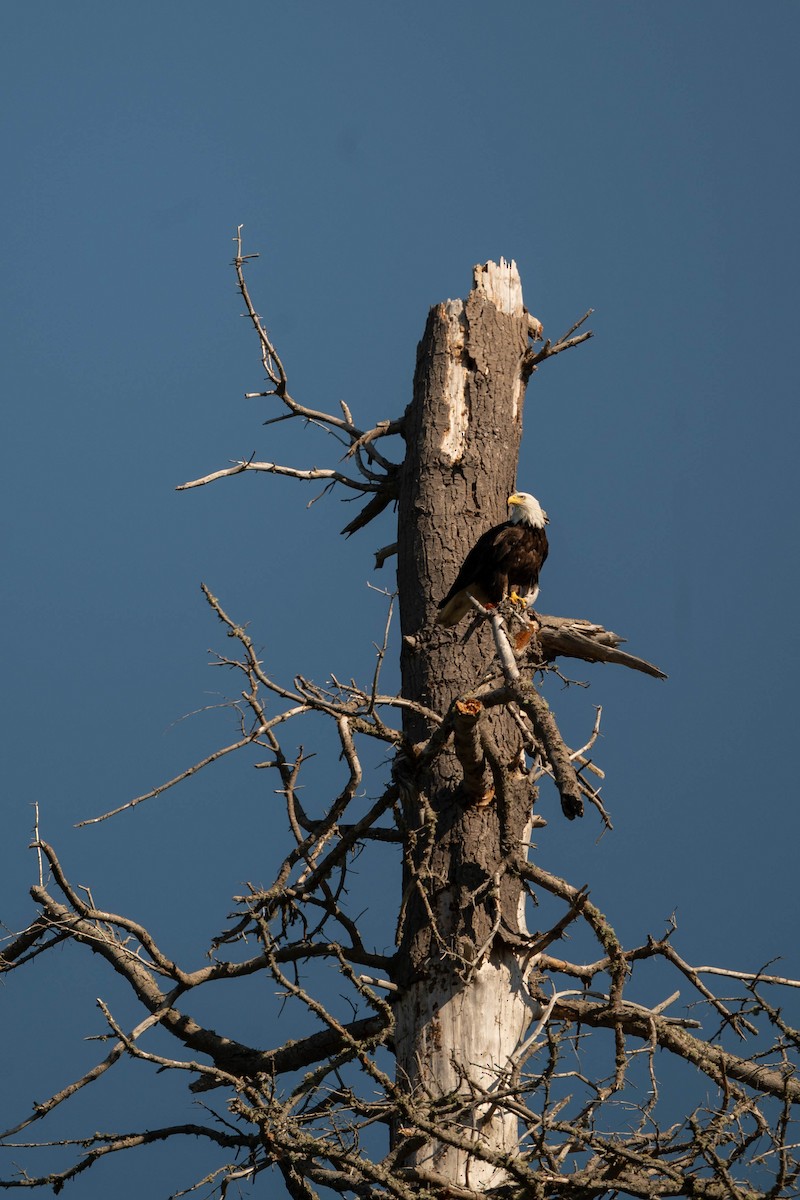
{"type": "Point", "coordinates": [635, 158]}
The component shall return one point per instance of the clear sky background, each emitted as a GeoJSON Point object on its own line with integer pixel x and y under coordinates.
{"type": "Point", "coordinates": [637, 158]}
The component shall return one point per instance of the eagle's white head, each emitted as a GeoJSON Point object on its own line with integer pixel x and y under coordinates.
{"type": "Point", "coordinates": [522, 506]}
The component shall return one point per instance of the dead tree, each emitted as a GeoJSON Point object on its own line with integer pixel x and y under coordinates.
{"type": "Point", "coordinates": [519, 1073]}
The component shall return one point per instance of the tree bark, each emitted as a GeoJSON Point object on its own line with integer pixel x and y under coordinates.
{"type": "Point", "coordinates": [464, 1003]}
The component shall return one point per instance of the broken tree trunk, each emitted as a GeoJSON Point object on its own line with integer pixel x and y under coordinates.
{"type": "Point", "coordinates": [464, 1004]}
{"type": "Point", "coordinates": [466, 966]}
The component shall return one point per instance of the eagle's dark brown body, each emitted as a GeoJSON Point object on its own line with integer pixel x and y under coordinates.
{"type": "Point", "coordinates": [505, 559]}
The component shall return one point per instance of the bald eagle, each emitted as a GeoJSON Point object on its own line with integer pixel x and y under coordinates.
{"type": "Point", "coordinates": [505, 560]}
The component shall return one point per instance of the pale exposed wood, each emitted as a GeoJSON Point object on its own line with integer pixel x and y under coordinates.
{"type": "Point", "coordinates": [454, 387]}
{"type": "Point", "coordinates": [501, 285]}
{"type": "Point", "coordinates": [467, 1038]}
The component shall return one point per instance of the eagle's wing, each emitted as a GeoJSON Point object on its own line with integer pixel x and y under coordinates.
{"type": "Point", "coordinates": [477, 561]}
{"type": "Point", "coordinates": [505, 545]}
{"type": "Point", "coordinates": [500, 556]}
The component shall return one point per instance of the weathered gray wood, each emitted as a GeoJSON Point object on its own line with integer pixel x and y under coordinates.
{"type": "Point", "coordinates": [462, 432]}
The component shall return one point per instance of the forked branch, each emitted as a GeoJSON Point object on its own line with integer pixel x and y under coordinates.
{"type": "Point", "coordinates": [375, 474]}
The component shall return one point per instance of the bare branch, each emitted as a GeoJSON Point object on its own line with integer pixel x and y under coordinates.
{"type": "Point", "coordinates": [748, 976]}
{"type": "Point", "coordinates": [572, 637]}
{"type": "Point", "coordinates": [272, 468]}
{"type": "Point", "coordinates": [566, 342]}
{"type": "Point", "coordinates": [375, 507]}
{"type": "Point", "coordinates": [164, 787]}
{"type": "Point", "coordinates": [384, 553]}
{"type": "Point", "coordinates": [549, 737]}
